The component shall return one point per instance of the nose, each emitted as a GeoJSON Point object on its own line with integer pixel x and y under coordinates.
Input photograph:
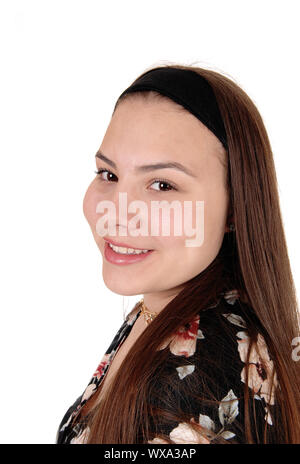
{"type": "Point", "coordinates": [131, 212]}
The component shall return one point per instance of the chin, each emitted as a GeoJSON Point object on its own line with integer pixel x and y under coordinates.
{"type": "Point", "coordinates": [120, 286]}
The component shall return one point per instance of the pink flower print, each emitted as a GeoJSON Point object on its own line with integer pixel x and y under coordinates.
{"type": "Point", "coordinates": [183, 371]}
{"type": "Point", "coordinates": [101, 367]}
{"type": "Point", "coordinates": [81, 438]}
{"type": "Point", "coordinates": [184, 433]}
{"type": "Point", "coordinates": [268, 416]}
{"type": "Point", "coordinates": [88, 392]}
{"type": "Point", "coordinates": [231, 296]}
{"type": "Point", "coordinates": [158, 441]}
{"type": "Point", "coordinates": [183, 343]}
{"type": "Point", "coordinates": [130, 318]}
{"type": "Point", "coordinates": [260, 367]}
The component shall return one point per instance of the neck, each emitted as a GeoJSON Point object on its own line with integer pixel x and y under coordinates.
{"type": "Point", "coordinates": [155, 302]}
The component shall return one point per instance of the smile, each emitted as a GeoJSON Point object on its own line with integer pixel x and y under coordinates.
{"type": "Point", "coordinates": [121, 255]}
{"type": "Point", "coordinates": [127, 251]}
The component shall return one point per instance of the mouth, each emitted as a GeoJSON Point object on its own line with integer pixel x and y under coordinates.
{"type": "Point", "coordinates": [124, 248]}
{"type": "Point", "coordinates": [124, 255]}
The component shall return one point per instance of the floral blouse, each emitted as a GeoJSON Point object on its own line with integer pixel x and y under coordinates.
{"type": "Point", "coordinates": [225, 418]}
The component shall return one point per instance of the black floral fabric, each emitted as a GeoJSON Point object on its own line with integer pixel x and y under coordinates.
{"type": "Point", "coordinates": [207, 354]}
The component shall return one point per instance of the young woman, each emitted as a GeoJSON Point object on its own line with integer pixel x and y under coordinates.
{"type": "Point", "coordinates": [209, 355]}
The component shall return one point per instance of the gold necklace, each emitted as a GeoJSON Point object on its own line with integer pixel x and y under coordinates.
{"type": "Point", "coordinates": [148, 316]}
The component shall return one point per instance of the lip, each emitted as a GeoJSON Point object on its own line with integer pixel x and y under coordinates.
{"type": "Point", "coordinates": [124, 245]}
{"type": "Point", "coordinates": [118, 258]}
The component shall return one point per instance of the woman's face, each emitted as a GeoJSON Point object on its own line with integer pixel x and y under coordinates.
{"type": "Point", "coordinates": [151, 132]}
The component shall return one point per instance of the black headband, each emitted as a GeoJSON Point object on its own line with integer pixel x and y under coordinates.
{"type": "Point", "coordinates": [187, 88]}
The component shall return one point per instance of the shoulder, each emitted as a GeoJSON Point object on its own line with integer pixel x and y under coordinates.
{"type": "Point", "coordinates": [233, 328]}
{"type": "Point", "coordinates": [208, 358]}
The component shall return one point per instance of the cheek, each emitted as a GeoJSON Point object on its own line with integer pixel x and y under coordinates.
{"type": "Point", "coordinates": [89, 204]}
{"type": "Point", "coordinates": [212, 222]}
{"type": "Point", "coordinates": [215, 215]}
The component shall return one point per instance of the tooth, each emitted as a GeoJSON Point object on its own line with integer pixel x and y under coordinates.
{"type": "Point", "coordinates": [124, 250]}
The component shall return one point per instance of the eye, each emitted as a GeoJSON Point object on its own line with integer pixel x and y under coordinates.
{"type": "Point", "coordinates": [100, 171]}
{"type": "Point", "coordinates": [164, 182]}
{"type": "Point", "coordinates": [160, 182]}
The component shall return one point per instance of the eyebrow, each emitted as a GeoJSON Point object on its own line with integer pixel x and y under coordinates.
{"type": "Point", "coordinates": [150, 167]}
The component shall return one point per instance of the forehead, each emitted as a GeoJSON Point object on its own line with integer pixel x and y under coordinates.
{"type": "Point", "coordinates": [160, 128]}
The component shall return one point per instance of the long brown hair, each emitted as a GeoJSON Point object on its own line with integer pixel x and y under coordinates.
{"type": "Point", "coordinates": [254, 259]}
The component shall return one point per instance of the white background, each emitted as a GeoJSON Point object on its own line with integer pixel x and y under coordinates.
{"type": "Point", "coordinates": [63, 65]}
